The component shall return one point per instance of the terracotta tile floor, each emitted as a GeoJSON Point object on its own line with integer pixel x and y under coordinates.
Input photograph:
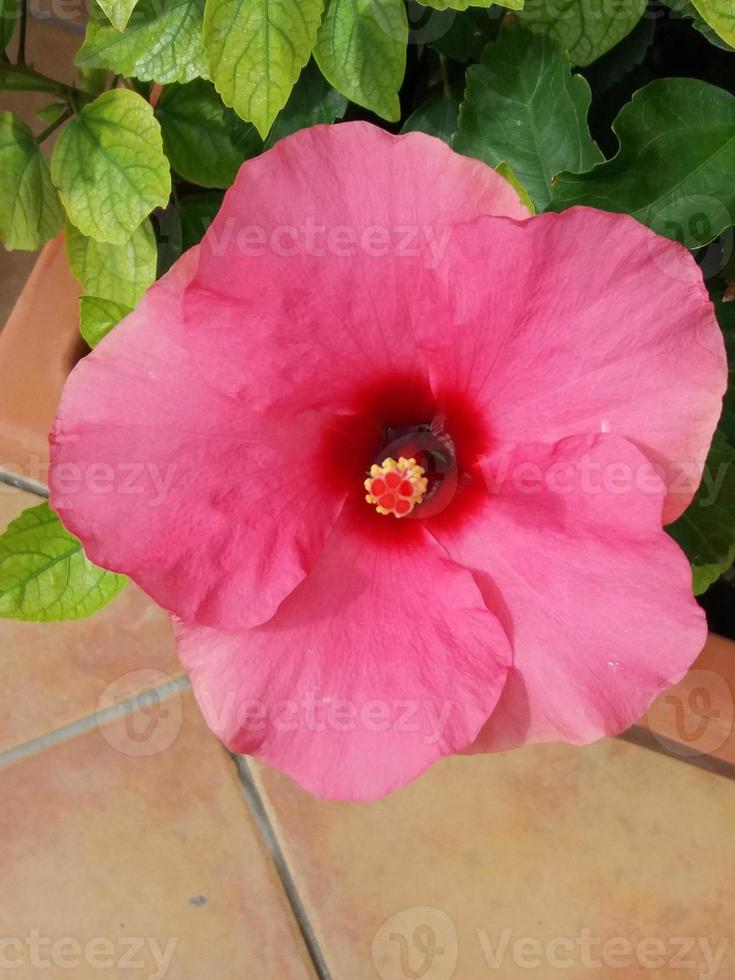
{"type": "Point", "coordinates": [135, 854]}
{"type": "Point", "coordinates": [500, 856]}
{"type": "Point", "coordinates": [132, 846]}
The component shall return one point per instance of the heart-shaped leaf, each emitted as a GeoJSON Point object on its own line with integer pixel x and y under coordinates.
{"type": "Point", "coordinates": [30, 211]}
{"type": "Point", "coordinates": [586, 28]}
{"type": "Point", "coordinates": [98, 316]}
{"type": "Point", "coordinates": [120, 273]}
{"type": "Point", "coordinates": [720, 15]}
{"type": "Point", "coordinates": [162, 42]}
{"type": "Point", "coordinates": [44, 573]}
{"type": "Point", "coordinates": [204, 140]}
{"type": "Point", "coordinates": [524, 107]}
{"type": "Point", "coordinates": [109, 167]}
{"type": "Point", "coordinates": [256, 50]}
{"type": "Point", "coordinates": [674, 169]}
{"type": "Point", "coordinates": [361, 50]}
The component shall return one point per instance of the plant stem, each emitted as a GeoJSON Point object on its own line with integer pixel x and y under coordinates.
{"type": "Point", "coordinates": [23, 30]}
{"type": "Point", "coordinates": [54, 126]}
{"type": "Point", "coordinates": [23, 78]}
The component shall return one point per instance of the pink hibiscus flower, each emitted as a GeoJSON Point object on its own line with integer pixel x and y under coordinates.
{"type": "Point", "coordinates": [396, 456]}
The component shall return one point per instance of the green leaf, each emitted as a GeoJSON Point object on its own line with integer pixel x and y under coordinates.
{"type": "Point", "coordinates": [17, 78]}
{"type": "Point", "coordinates": [720, 15]}
{"type": "Point", "coordinates": [197, 212]}
{"type": "Point", "coordinates": [93, 81]}
{"type": "Point", "coordinates": [464, 4]}
{"type": "Point", "coordinates": [109, 167]}
{"type": "Point", "coordinates": [118, 11]}
{"type": "Point", "coordinates": [506, 171]}
{"type": "Point", "coordinates": [9, 15]}
{"type": "Point", "coordinates": [51, 112]}
{"type": "Point", "coordinates": [622, 59]}
{"type": "Point", "coordinates": [162, 42]}
{"type": "Point", "coordinates": [120, 273]}
{"type": "Point", "coordinates": [674, 169]}
{"type": "Point", "coordinates": [438, 116]}
{"type": "Point", "coordinates": [687, 9]}
{"type": "Point", "coordinates": [361, 50]}
{"type": "Point", "coordinates": [44, 573]}
{"type": "Point", "coordinates": [98, 316]}
{"type": "Point", "coordinates": [30, 211]}
{"type": "Point", "coordinates": [523, 107]}
{"type": "Point", "coordinates": [204, 141]}
{"type": "Point", "coordinates": [463, 37]}
{"type": "Point", "coordinates": [706, 530]}
{"type": "Point", "coordinates": [312, 101]}
{"type": "Point", "coordinates": [725, 310]}
{"type": "Point", "coordinates": [587, 29]}
{"type": "Point", "coordinates": [256, 50]}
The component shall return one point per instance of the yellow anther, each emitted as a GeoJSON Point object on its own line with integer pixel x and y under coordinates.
{"type": "Point", "coordinates": [396, 487]}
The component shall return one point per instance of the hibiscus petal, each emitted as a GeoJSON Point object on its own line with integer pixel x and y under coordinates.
{"type": "Point", "coordinates": [578, 322]}
{"type": "Point", "coordinates": [569, 551]}
{"type": "Point", "coordinates": [315, 255]}
{"type": "Point", "coordinates": [215, 511]}
{"type": "Point", "coordinates": [383, 660]}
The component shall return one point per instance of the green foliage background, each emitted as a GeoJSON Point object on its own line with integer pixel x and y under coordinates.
{"type": "Point", "coordinates": [626, 106]}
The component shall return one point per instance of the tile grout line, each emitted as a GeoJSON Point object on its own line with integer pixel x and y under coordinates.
{"type": "Point", "coordinates": [83, 725]}
{"type": "Point", "coordinates": [253, 799]}
{"type": "Point", "coordinates": [257, 808]}
{"type": "Point", "coordinates": [23, 483]}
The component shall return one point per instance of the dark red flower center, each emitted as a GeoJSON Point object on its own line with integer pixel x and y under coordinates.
{"type": "Point", "coordinates": [436, 434]}
{"type": "Point", "coordinates": [414, 473]}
